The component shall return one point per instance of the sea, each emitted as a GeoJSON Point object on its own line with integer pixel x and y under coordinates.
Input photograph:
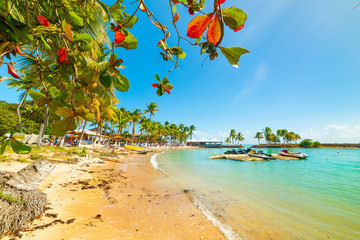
{"type": "Point", "coordinates": [315, 198]}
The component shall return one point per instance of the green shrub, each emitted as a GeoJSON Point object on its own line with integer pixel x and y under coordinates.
{"type": "Point", "coordinates": [83, 152]}
{"type": "Point", "coordinates": [4, 158]}
{"type": "Point", "coordinates": [306, 143]}
{"type": "Point", "coordinates": [316, 144]}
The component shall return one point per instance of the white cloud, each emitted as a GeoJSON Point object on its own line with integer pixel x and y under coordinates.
{"type": "Point", "coordinates": [216, 135]}
{"type": "Point", "coordinates": [334, 134]}
{"type": "Point", "coordinates": [337, 127]}
{"type": "Point", "coordinates": [253, 85]}
{"type": "Point", "coordinates": [221, 135]}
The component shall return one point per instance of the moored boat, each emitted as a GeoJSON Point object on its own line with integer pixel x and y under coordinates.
{"type": "Point", "coordinates": [135, 148]}
{"type": "Point", "coordinates": [260, 155]}
{"type": "Point", "coordinates": [286, 153]}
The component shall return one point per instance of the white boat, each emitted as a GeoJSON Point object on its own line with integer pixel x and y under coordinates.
{"type": "Point", "coordinates": [286, 153]}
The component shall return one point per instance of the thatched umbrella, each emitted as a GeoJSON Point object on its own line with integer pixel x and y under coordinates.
{"type": "Point", "coordinates": [20, 200]}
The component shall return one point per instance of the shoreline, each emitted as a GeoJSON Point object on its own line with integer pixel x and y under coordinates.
{"type": "Point", "coordinates": [325, 145]}
{"type": "Point", "coordinates": [125, 200]}
{"type": "Point", "coordinates": [225, 229]}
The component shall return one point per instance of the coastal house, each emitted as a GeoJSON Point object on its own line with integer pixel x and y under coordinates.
{"type": "Point", "coordinates": [204, 143]}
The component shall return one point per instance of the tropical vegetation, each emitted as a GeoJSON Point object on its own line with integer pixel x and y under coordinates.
{"type": "Point", "coordinates": [66, 62]}
{"type": "Point", "coordinates": [306, 143]}
{"type": "Point", "coordinates": [234, 136]}
{"type": "Point", "coordinates": [270, 137]}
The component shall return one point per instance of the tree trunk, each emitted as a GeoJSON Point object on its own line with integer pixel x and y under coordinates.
{"type": "Point", "coordinates": [82, 133]}
{"type": "Point", "coordinates": [18, 109]}
{"type": "Point", "coordinates": [43, 125]}
{"type": "Point", "coordinates": [100, 137]}
{"type": "Point", "coordinates": [30, 177]}
{"type": "Point", "coordinates": [133, 133]}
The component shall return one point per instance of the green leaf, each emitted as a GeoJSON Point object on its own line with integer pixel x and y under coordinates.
{"type": "Point", "coordinates": [76, 19]}
{"type": "Point", "coordinates": [129, 21]}
{"type": "Point", "coordinates": [64, 112]}
{"type": "Point", "coordinates": [84, 41]}
{"type": "Point", "coordinates": [60, 127]}
{"type": "Point", "coordinates": [168, 86]}
{"type": "Point", "coordinates": [19, 147]}
{"type": "Point", "coordinates": [36, 95]}
{"type": "Point", "coordinates": [90, 117]}
{"type": "Point", "coordinates": [106, 80]}
{"type": "Point", "coordinates": [233, 54]}
{"type": "Point", "coordinates": [54, 92]}
{"type": "Point", "coordinates": [157, 78]}
{"type": "Point", "coordinates": [160, 91]}
{"type": "Point", "coordinates": [3, 146]}
{"type": "Point", "coordinates": [177, 51]}
{"type": "Point", "coordinates": [130, 41]}
{"type": "Point", "coordinates": [234, 17]}
{"type": "Point", "coordinates": [116, 13]}
{"type": "Point", "coordinates": [112, 59]}
{"type": "Point", "coordinates": [121, 83]}
{"type": "Point", "coordinates": [47, 46]}
{"type": "Point", "coordinates": [79, 95]}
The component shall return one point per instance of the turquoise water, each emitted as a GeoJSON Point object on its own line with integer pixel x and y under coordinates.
{"type": "Point", "coordinates": [317, 198]}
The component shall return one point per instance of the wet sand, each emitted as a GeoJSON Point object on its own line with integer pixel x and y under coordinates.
{"type": "Point", "coordinates": [108, 200]}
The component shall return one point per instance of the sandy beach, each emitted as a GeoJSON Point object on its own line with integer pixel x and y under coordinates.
{"type": "Point", "coordinates": [97, 199]}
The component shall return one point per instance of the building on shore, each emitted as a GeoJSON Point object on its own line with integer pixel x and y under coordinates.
{"type": "Point", "coordinates": [204, 143]}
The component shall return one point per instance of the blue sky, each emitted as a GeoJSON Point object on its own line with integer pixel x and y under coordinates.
{"type": "Point", "coordinates": [302, 73]}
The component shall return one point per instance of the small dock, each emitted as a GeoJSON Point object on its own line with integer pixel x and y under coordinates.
{"type": "Point", "coordinates": [247, 158]}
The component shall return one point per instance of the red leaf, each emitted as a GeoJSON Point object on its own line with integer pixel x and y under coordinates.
{"type": "Point", "coordinates": [238, 29]}
{"type": "Point", "coordinates": [176, 17]}
{"type": "Point", "coordinates": [116, 28]}
{"type": "Point", "coordinates": [166, 90]}
{"type": "Point", "coordinates": [198, 25]}
{"type": "Point", "coordinates": [18, 50]}
{"type": "Point", "coordinates": [214, 33]}
{"type": "Point", "coordinates": [119, 37]}
{"type": "Point", "coordinates": [12, 72]}
{"type": "Point", "coordinates": [220, 1]}
{"type": "Point", "coordinates": [63, 56]}
{"type": "Point", "coordinates": [43, 20]}
{"type": "Point", "coordinates": [155, 85]}
{"type": "Point", "coordinates": [191, 11]}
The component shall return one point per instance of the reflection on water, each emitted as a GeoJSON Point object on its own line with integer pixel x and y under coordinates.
{"type": "Point", "coordinates": [317, 198]}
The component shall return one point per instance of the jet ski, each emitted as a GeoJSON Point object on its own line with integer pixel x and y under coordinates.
{"type": "Point", "coordinates": [286, 153]}
{"type": "Point", "coordinates": [262, 155]}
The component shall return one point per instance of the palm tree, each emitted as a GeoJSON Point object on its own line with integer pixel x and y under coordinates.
{"type": "Point", "coordinates": [232, 135]}
{"type": "Point", "coordinates": [240, 137]}
{"type": "Point", "coordinates": [227, 140]}
{"type": "Point", "coordinates": [267, 134]}
{"type": "Point", "coordinates": [192, 128]}
{"type": "Point", "coordinates": [135, 117]}
{"type": "Point", "coordinates": [281, 133]}
{"type": "Point", "coordinates": [297, 137]}
{"type": "Point", "coordinates": [259, 135]}
{"type": "Point", "coordinates": [152, 109]}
